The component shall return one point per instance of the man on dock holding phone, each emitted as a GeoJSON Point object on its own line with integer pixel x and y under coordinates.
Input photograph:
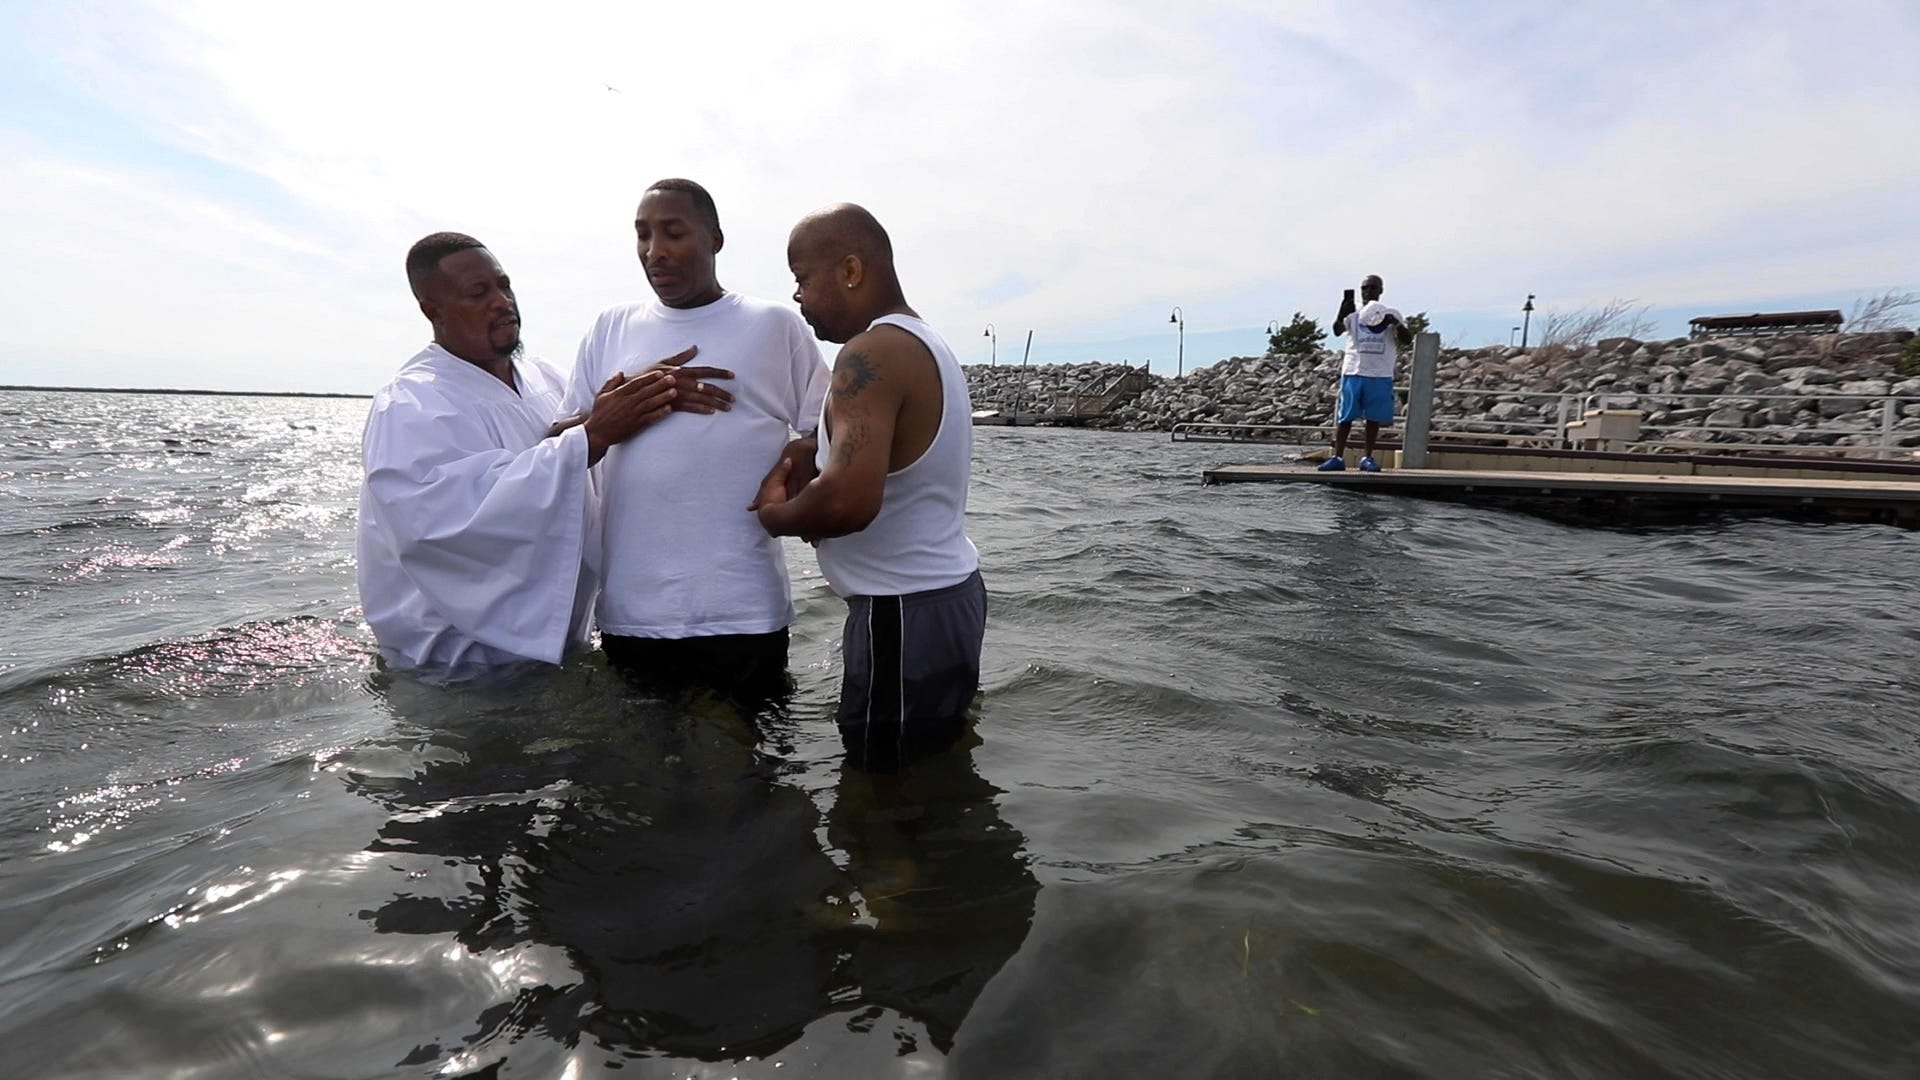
{"type": "Point", "coordinates": [1374, 332]}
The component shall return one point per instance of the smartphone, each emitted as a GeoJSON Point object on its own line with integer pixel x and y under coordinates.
{"type": "Point", "coordinates": [1346, 299]}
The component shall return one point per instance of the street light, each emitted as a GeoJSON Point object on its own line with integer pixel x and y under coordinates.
{"type": "Point", "coordinates": [1273, 327]}
{"type": "Point", "coordinates": [1510, 334]}
{"type": "Point", "coordinates": [1526, 322]}
{"type": "Point", "coordinates": [993, 350]}
{"type": "Point", "coordinates": [1179, 317]}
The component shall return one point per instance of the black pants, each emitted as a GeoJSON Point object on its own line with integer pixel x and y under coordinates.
{"type": "Point", "coordinates": [750, 669]}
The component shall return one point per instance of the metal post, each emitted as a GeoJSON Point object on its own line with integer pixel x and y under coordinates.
{"type": "Point", "coordinates": [1023, 378]}
{"type": "Point", "coordinates": [993, 348]}
{"type": "Point", "coordinates": [1566, 407]}
{"type": "Point", "coordinates": [1180, 364]}
{"type": "Point", "coordinates": [1888, 411]}
{"type": "Point", "coordinates": [1426, 365]}
{"type": "Point", "coordinates": [1526, 322]}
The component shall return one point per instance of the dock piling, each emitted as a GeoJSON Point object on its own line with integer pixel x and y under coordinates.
{"type": "Point", "coordinates": [1426, 363]}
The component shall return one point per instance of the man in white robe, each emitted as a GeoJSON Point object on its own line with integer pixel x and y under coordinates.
{"type": "Point", "coordinates": [477, 510]}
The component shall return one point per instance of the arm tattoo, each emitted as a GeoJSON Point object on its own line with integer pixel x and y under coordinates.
{"type": "Point", "coordinates": [847, 447]}
{"type": "Point", "coordinates": [852, 374]}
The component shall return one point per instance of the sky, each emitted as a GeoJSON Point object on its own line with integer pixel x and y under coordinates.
{"type": "Point", "coordinates": [217, 195]}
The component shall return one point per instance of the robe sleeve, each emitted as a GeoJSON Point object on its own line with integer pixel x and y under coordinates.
{"type": "Point", "coordinates": [491, 537]}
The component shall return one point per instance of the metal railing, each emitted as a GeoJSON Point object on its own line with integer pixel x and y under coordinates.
{"type": "Point", "coordinates": [1539, 431]}
{"type": "Point", "coordinates": [1573, 406]}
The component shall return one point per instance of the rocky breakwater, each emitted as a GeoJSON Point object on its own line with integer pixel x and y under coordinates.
{"type": "Point", "coordinates": [1818, 390]}
{"type": "Point", "coordinates": [1013, 388]}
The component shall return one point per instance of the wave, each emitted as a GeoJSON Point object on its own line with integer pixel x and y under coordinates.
{"type": "Point", "coordinates": [227, 662]}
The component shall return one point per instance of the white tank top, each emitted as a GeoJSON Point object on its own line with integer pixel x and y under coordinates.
{"type": "Point", "coordinates": [919, 539]}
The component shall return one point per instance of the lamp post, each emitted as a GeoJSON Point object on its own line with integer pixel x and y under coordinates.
{"type": "Point", "coordinates": [1179, 318]}
{"type": "Point", "coordinates": [1510, 335]}
{"type": "Point", "coordinates": [993, 348]}
{"type": "Point", "coordinates": [1527, 321]}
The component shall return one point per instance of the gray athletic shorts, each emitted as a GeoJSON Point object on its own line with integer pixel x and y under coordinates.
{"type": "Point", "coordinates": [912, 666]}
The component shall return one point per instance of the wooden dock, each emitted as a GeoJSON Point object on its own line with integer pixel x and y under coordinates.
{"type": "Point", "coordinates": [1623, 496]}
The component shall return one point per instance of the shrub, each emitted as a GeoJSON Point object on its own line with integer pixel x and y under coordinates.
{"type": "Point", "coordinates": [1301, 337]}
{"type": "Point", "coordinates": [1584, 326]}
{"type": "Point", "coordinates": [1888, 311]}
{"type": "Point", "coordinates": [1910, 358]}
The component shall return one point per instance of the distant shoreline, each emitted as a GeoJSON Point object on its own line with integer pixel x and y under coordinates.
{"type": "Point", "coordinates": [200, 393]}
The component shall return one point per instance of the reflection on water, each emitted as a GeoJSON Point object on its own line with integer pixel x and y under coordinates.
{"type": "Point", "coordinates": [704, 905]}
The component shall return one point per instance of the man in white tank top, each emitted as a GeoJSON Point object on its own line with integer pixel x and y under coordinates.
{"type": "Point", "coordinates": [888, 506]}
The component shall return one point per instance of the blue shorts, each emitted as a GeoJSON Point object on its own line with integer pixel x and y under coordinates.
{"type": "Point", "coordinates": [1365, 397]}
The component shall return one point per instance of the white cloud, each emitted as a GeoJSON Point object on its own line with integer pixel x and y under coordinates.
{"type": "Point", "coordinates": [1240, 159]}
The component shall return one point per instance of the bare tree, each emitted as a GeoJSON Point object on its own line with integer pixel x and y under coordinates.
{"type": "Point", "coordinates": [1888, 311]}
{"type": "Point", "coordinates": [1584, 326]}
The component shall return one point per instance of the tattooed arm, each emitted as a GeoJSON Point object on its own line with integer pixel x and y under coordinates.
{"type": "Point", "coordinates": [863, 407]}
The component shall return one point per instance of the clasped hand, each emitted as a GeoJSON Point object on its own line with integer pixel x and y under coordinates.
{"type": "Point", "coordinates": [624, 407]}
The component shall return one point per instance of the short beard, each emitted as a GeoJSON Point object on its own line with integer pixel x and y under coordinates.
{"type": "Point", "coordinates": [513, 351]}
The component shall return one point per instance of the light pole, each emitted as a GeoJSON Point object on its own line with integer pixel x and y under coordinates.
{"type": "Point", "coordinates": [1179, 318]}
{"type": "Point", "coordinates": [993, 349]}
{"type": "Point", "coordinates": [1510, 334]}
{"type": "Point", "coordinates": [1527, 321]}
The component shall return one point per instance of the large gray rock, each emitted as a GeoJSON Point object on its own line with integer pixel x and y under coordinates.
{"type": "Point", "coordinates": [1874, 387]}
{"type": "Point", "coordinates": [1806, 375]}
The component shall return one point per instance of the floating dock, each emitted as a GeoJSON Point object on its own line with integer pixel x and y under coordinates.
{"type": "Point", "coordinates": [1620, 496]}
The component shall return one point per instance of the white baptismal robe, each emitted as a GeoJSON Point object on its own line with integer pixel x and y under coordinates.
{"type": "Point", "coordinates": [474, 526]}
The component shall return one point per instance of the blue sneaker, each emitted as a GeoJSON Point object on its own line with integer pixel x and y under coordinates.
{"type": "Point", "coordinates": [1367, 464]}
{"type": "Point", "coordinates": [1333, 464]}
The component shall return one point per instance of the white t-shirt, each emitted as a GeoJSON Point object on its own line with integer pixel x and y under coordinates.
{"type": "Point", "coordinates": [474, 526]}
{"type": "Point", "coordinates": [1373, 345]}
{"type": "Point", "coordinates": [682, 556]}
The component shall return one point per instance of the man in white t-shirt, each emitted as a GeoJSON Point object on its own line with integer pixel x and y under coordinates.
{"type": "Point", "coordinates": [694, 592]}
{"type": "Point", "coordinates": [1373, 334]}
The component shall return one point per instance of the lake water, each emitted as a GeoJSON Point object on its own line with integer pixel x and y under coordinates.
{"type": "Point", "coordinates": [1270, 782]}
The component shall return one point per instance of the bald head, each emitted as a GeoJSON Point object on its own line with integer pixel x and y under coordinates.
{"type": "Point", "coordinates": [842, 263]}
{"type": "Point", "coordinates": [841, 230]}
{"type": "Point", "coordinates": [1371, 287]}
